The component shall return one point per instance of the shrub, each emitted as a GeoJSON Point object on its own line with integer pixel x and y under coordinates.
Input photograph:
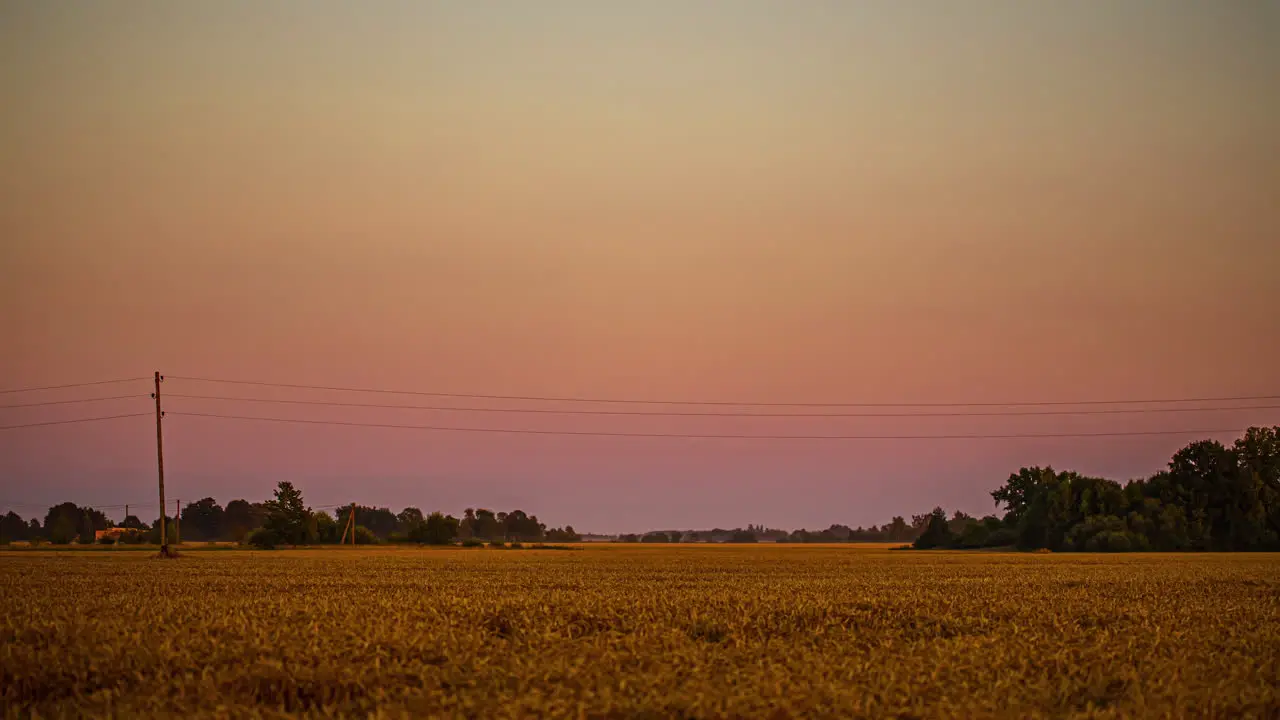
{"type": "Point", "coordinates": [262, 538]}
{"type": "Point", "coordinates": [472, 542]}
{"type": "Point", "coordinates": [365, 536]}
{"type": "Point", "coordinates": [516, 546]}
{"type": "Point", "coordinates": [497, 544]}
{"type": "Point", "coordinates": [106, 540]}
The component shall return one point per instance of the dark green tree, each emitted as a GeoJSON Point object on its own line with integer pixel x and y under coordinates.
{"type": "Point", "coordinates": [409, 518]}
{"type": "Point", "coordinates": [440, 529]}
{"type": "Point", "coordinates": [936, 532]}
{"type": "Point", "coordinates": [13, 528]}
{"type": "Point", "coordinates": [288, 518]}
{"type": "Point", "coordinates": [202, 520]}
{"type": "Point", "coordinates": [240, 517]}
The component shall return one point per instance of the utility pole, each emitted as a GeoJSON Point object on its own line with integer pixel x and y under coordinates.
{"type": "Point", "coordinates": [349, 527]}
{"type": "Point", "coordinates": [164, 539]}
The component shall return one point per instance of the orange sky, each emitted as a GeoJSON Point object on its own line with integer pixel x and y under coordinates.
{"type": "Point", "coordinates": [841, 202]}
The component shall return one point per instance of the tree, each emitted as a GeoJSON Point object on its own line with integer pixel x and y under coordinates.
{"type": "Point", "coordinates": [62, 530]}
{"type": "Point", "coordinates": [241, 517]}
{"type": "Point", "coordinates": [898, 530]}
{"type": "Point", "coordinates": [466, 529]}
{"type": "Point", "coordinates": [409, 518]}
{"type": "Point", "coordinates": [568, 534]}
{"type": "Point", "coordinates": [960, 522]}
{"type": "Point", "coordinates": [202, 520]}
{"type": "Point", "coordinates": [171, 531]}
{"type": "Point", "coordinates": [440, 529]}
{"type": "Point", "coordinates": [742, 536]}
{"type": "Point", "coordinates": [380, 521]}
{"type": "Point", "coordinates": [131, 522]}
{"type": "Point", "coordinates": [82, 521]}
{"type": "Point", "coordinates": [324, 528]}
{"type": "Point", "coordinates": [936, 533]}
{"type": "Point", "coordinates": [14, 528]}
{"type": "Point", "coordinates": [485, 525]}
{"type": "Point", "coordinates": [518, 526]}
{"type": "Point", "coordinates": [287, 517]}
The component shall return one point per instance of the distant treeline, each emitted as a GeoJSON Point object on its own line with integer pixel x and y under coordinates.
{"type": "Point", "coordinates": [284, 520]}
{"type": "Point", "coordinates": [1211, 497]}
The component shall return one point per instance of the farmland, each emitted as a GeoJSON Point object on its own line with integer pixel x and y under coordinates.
{"type": "Point", "coordinates": [639, 631]}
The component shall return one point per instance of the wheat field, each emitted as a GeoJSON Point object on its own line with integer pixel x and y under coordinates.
{"type": "Point", "coordinates": [639, 631]}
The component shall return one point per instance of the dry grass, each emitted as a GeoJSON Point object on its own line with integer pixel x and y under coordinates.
{"type": "Point", "coordinates": [635, 631]}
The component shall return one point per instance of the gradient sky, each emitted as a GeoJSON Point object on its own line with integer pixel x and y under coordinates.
{"type": "Point", "coordinates": [816, 201]}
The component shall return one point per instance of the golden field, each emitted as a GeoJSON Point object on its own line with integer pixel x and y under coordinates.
{"type": "Point", "coordinates": [639, 631]}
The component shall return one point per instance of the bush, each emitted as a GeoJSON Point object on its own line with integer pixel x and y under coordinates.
{"type": "Point", "coordinates": [472, 542]}
{"type": "Point", "coordinates": [365, 536]}
{"type": "Point", "coordinates": [516, 546]}
{"type": "Point", "coordinates": [262, 538]}
{"type": "Point", "coordinates": [106, 540]}
{"type": "Point", "coordinates": [497, 544]}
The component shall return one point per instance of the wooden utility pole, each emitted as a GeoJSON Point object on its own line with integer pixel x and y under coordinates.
{"type": "Point", "coordinates": [349, 527]}
{"type": "Point", "coordinates": [164, 539]}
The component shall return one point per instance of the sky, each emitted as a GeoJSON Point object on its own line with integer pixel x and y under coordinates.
{"type": "Point", "coordinates": [810, 202]}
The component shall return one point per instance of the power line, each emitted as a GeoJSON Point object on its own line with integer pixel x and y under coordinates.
{"type": "Point", "coordinates": [534, 398]}
{"type": "Point", "coordinates": [640, 413]}
{"type": "Point", "coordinates": [68, 422]}
{"type": "Point", "coordinates": [530, 431]}
{"type": "Point", "coordinates": [70, 402]}
{"type": "Point", "coordinates": [71, 385]}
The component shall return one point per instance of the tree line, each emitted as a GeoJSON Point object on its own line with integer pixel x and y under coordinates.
{"type": "Point", "coordinates": [1211, 497]}
{"type": "Point", "coordinates": [284, 520]}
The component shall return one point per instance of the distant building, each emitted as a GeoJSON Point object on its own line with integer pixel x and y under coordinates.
{"type": "Point", "coordinates": [113, 533]}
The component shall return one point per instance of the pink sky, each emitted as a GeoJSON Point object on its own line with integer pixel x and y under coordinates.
{"type": "Point", "coordinates": [836, 202]}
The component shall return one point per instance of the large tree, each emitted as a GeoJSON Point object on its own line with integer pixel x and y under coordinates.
{"type": "Point", "coordinates": [202, 520]}
{"type": "Point", "coordinates": [241, 517]}
{"type": "Point", "coordinates": [288, 518]}
{"type": "Point", "coordinates": [14, 528]}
